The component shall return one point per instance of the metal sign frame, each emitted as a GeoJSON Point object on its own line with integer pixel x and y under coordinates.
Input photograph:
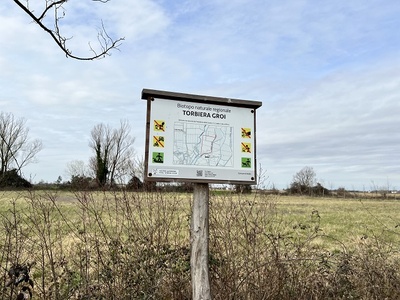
{"type": "Point", "coordinates": [196, 138]}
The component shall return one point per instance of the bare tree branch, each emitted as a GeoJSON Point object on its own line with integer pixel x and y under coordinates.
{"type": "Point", "coordinates": [105, 41]}
{"type": "Point", "coordinates": [56, 4]}
{"type": "Point", "coordinates": [16, 151]}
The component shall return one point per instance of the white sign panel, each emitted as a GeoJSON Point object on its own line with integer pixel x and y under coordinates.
{"type": "Point", "coordinates": [197, 141]}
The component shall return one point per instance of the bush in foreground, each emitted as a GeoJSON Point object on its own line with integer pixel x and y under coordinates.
{"type": "Point", "coordinates": [136, 246]}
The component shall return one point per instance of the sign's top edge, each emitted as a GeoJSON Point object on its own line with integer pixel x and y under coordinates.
{"type": "Point", "coordinates": [149, 93]}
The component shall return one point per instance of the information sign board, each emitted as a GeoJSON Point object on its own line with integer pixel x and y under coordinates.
{"type": "Point", "coordinates": [200, 138]}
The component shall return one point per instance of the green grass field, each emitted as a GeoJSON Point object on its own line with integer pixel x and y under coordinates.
{"type": "Point", "coordinates": [340, 221]}
{"type": "Point", "coordinates": [347, 221]}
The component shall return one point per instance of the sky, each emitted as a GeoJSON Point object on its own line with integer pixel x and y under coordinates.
{"type": "Point", "coordinates": [327, 73]}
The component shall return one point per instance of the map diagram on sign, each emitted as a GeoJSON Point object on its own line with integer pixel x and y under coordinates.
{"type": "Point", "coordinates": [203, 145]}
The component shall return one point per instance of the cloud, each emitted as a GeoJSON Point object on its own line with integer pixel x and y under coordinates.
{"type": "Point", "coordinates": [327, 74]}
{"type": "Point", "coordinates": [345, 122]}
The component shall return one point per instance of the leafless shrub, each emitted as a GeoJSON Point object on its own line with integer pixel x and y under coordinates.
{"type": "Point", "coordinates": [125, 245]}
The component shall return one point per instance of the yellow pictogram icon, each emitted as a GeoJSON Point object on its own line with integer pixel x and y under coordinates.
{"type": "Point", "coordinates": [246, 147]}
{"type": "Point", "coordinates": [158, 141]}
{"type": "Point", "coordinates": [246, 133]}
{"type": "Point", "coordinates": [159, 125]}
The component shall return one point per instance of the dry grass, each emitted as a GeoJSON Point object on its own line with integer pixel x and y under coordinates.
{"type": "Point", "coordinates": [118, 245]}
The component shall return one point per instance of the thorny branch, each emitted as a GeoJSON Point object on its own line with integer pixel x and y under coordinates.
{"type": "Point", "coordinates": [105, 41]}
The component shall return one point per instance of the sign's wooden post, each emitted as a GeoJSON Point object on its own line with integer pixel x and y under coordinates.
{"type": "Point", "coordinates": [199, 236]}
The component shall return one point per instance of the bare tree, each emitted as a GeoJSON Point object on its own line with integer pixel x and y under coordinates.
{"type": "Point", "coordinates": [56, 9]}
{"type": "Point", "coordinates": [100, 143]}
{"type": "Point", "coordinates": [122, 152]}
{"type": "Point", "coordinates": [16, 150]}
{"type": "Point", "coordinates": [113, 152]}
{"type": "Point", "coordinates": [77, 168]}
{"type": "Point", "coordinates": [137, 168]}
{"type": "Point", "coordinates": [303, 181]}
